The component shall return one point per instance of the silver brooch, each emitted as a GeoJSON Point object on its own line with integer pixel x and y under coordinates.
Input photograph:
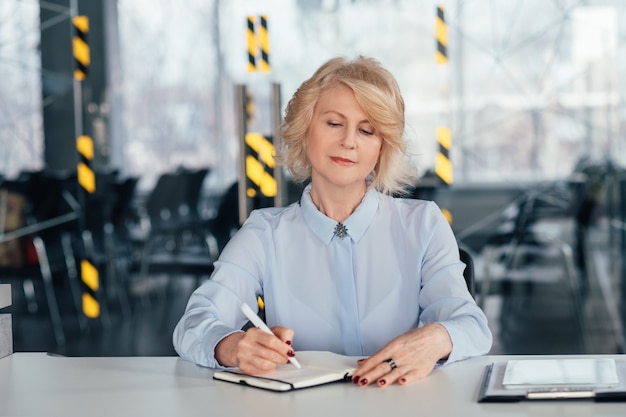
{"type": "Point", "coordinates": [341, 231]}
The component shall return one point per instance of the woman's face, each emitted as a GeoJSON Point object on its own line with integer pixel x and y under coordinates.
{"type": "Point", "coordinates": [341, 144]}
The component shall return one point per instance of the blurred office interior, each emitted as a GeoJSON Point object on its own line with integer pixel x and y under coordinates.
{"type": "Point", "coordinates": [530, 93]}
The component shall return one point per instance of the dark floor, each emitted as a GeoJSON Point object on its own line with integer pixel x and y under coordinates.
{"type": "Point", "coordinates": [528, 319]}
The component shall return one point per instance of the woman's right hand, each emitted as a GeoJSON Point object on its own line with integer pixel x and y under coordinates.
{"type": "Point", "coordinates": [254, 351]}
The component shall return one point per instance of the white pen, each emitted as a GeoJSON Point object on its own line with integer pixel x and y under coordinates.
{"type": "Point", "coordinates": [256, 320]}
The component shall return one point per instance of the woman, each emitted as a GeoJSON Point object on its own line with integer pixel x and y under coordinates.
{"type": "Point", "coordinates": [348, 268]}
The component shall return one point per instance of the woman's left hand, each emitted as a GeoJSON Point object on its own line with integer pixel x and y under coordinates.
{"type": "Point", "coordinates": [406, 359]}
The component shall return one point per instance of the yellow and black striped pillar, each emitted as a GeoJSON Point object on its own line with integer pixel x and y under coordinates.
{"type": "Point", "coordinates": [251, 44]}
{"type": "Point", "coordinates": [258, 44]}
{"type": "Point", "coordinates": [441, 37]}
{"type": "Point", "coordinates": [259, 164]}
{"type": "Point", "coordinates": [87, 181]}
{"type": "Point", "coordinates": [443, 165]}
{"type": "Point", "coordinates": [86, 176]}
{"type": "Point", "coordinates": [260, 181]}
{"type": "Point", "coordinates": [80, 47]}
{"type": "Point", "coordinates": [264, 44]}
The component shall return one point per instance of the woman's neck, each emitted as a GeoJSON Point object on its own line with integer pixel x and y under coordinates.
{"type": "Point", "coordinates": [337, 204]}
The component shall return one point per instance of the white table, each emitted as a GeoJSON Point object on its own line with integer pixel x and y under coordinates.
{"type": "Point", "coordinates": [36, 384]}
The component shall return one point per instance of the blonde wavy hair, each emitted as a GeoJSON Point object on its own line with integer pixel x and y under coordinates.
{"type": "Point", "coordinates": [378, 94]}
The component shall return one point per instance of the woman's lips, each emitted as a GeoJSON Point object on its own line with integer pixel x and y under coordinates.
{"type": "Point", "coordinates": [342, 161]}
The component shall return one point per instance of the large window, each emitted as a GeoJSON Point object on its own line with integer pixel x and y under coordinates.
{"type": "Point", "coordinates": [529, 89]}
{"type": "Point", "coordinates": [21, 140]}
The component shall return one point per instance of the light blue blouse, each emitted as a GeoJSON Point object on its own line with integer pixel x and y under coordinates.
{"type": "Point", "coordinates": [398, 268]}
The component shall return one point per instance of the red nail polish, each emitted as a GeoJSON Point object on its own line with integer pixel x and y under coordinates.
{"type": "Point", "coordinates": [363, 381]}
{"type": "Point", "coordinates": [402, 380]}
{"type": "Point", "coordinates": [381, 382]}
{"type": "Point", "coordinates": [288, 342]}
{"type": "Point", "coordinates": [355, 379]}
{"type": "Point", "coordinates": [291, 354]}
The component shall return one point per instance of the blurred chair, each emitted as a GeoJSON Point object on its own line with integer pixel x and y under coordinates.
{"type": "Point", "coordinates": [179, 241]}
{"type": "Point", "coordinates": [533, 258]}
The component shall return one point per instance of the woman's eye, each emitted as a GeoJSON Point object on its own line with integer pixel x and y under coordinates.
{"type": "Point", "coordinates": [367, 132]}
{"type": "Point", "coordinates": [334, 124]}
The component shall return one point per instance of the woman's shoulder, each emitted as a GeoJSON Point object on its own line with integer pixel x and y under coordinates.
{"type": "Point", "coordinates": [411, 210]}
{"type": "Point", "coordinates": [260, 226]}
{"type": "Point", "coordinates": [272, 215]}
{"type": "Point", "coordinates": [410, 204]}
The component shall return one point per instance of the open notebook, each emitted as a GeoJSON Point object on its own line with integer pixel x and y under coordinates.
{"type": "Point", "coordinates": [318, 368]}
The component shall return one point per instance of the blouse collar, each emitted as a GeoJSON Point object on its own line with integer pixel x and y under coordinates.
{"type": "Point", "coordinates": [356, 225]}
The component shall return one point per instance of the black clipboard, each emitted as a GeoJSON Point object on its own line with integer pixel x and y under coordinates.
{"type": "Point", "coordinates": [492, 389]}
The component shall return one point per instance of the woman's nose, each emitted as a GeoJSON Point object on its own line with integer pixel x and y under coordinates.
{"type": "Point", "coordinates": [349, 140]}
